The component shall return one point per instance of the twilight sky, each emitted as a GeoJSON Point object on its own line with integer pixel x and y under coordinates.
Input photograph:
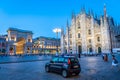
{"type": "Point", "coordinates": [42, 16]}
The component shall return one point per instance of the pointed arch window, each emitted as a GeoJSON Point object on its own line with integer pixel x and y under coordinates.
{"type": "Point", "coordinates": [89, 32]}
{"type": "Point", "coordinates": [70, 42]}
{"type": "Point", "coordinates": [89, 40]}
{"type": "Point", "coordinates": [98, 39]}
{"type": "Point", "coordinates": [65, 43]}
{"type": "Point", "coordinates": [78, 35]}
{"type": "Point", "coordinates": [70, 35]}
{"type": "Point", "coordinates": [78, 25]}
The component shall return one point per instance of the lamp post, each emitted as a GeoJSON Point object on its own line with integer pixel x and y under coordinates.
{"type": "Point", "coordinates": [42, 47]}
{"type": "Point", "coordinates": [57, 30]}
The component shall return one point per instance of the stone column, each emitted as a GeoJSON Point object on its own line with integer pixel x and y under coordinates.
{"type": "Point", "coordinates": [25, 50]}
{"type": "Point", "coordinates": [14, 49]}
{"type": "Point", "coordinates": [83, 34]}
{"type": "Point", "coordinates": [93, 36]}
{"type": "Point", "coordinates": [74, 38]}
{"type": "Point", "coordinates": [62, 41]}
{"type": "Point", "coordinates": [30, 50]}
{"type": "Point", "coordinates": [7, 51]}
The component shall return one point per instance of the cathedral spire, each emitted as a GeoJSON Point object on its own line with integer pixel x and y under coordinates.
{"type": "Point", "coordinates": [89, 12]}
{"type": "Point", "coordinates": [101, 21]}
{"type": "Point", "coordinates": [73, 14]}
{"type": "Point", "coordinates": [83, 9]}
{"type": "Point", "coordinates": [96, 16]}
{"type": "Point", "coordinates": [62, 31]}
{"type": "Point", "coordinates": [67, 24]}
{"type": "Point", "coordinates": [92, 14]}
{"type": "Point", "coordinates": [105, 14]}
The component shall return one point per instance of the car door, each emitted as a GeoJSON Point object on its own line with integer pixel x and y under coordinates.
{"type": "Point", "coordinates": [53, 64]}
{"type": "Point", "coordinates": [60, 64]}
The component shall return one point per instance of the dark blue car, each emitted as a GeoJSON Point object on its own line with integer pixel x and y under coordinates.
{"type": "Point", "coordinates": [65, 65]}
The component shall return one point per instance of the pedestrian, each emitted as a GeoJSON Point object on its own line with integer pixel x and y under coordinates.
{"type": "Point", "coordinates": [102, 56]}
{"type": "Point", "coordinates": [115, 62]}
{"type": "Point", "coordinates": [106, 57]}
{"type": "Point", "coordinates": [79, 55]}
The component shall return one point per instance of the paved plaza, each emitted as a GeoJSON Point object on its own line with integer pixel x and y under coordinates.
{"type": "Point", "coordinates": [27, 58]}
{"type": "Point", "coordinates": [93, 68]}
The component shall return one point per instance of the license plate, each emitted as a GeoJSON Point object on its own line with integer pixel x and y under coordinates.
{"type": "Point", "coordinates": [75, 66]}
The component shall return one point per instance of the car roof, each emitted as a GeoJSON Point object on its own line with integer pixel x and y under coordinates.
{"type": "Point", "coordinates": [65, 56]}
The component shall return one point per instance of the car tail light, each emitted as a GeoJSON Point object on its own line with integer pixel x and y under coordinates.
{"type": "Point", "coordinates": [69, 61]}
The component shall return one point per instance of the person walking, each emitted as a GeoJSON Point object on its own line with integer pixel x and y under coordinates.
{"type": "Point", "coordinates": [115, 62]}
{"type": "Point", "coordinates": [106, 57]}
{"type": "Point", "coordinates": [103, 56]}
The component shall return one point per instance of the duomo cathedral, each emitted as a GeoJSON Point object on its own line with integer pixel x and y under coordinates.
{"type": "Point", "coordinates": [90, 35]}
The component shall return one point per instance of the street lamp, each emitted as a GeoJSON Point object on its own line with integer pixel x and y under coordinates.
{"type": "Point", "coordinates": [57, 30]}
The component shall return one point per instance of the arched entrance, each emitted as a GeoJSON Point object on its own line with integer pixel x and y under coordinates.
{"type": "Point", "coordinates": [99, 49]}
{"type": "Point", "coordinates": [19, 39]}
{"type": "Point", "coordinates": [11, 51]}
{"type": "Point", "coordinates": [28, 50]}
{"type": "Point", "coordinates": [90, 49]}
{"type": "Point", "coordinates": [79, 49]}
{"type": "Point", "coordinates": [20, 46]}
{"type": "Point", "coordinates": [65, 51]}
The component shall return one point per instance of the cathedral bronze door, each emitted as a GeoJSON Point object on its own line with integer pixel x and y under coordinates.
{"type": "Point", "coordinates": [66, 51]}
{"type": "Point", "coordinates": [90, 49]}
{"type": "Point", "coordinates": [79, 49]}
{"type": "Point", "coordinates": [99, 49]}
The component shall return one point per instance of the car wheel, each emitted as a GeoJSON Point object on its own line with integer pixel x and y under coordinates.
{"type": "Point", "coordinates": [47, 69]}
{"type": "Point", "coordinates": [77, 73]}
{"type": "Point", "coordinates": [64, 73]}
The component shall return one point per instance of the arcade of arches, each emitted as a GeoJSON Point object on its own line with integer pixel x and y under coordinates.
{"type": "Point", "coordinates": [19, 41]}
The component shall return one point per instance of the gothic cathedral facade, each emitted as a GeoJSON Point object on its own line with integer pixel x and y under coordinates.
{"type": "Point", "coordinates": [88, 34]}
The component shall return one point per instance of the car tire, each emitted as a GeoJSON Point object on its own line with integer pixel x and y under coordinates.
{"type": "Point", "coordinates": [47, 69]}
{"type": "Point", "coordinates": [64, 73]}
{"type": "Point", "coordinates": [77, 73]}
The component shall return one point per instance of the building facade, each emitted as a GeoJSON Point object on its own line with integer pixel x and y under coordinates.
{"type": "Point", "coordinates": [46, 45]}
{"type": "Point", "coordinates": [89, 35]}
{"type": "Point", "coordinates": [19, 41]}
{"type": "Point", "coordinates": [2, 45]}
